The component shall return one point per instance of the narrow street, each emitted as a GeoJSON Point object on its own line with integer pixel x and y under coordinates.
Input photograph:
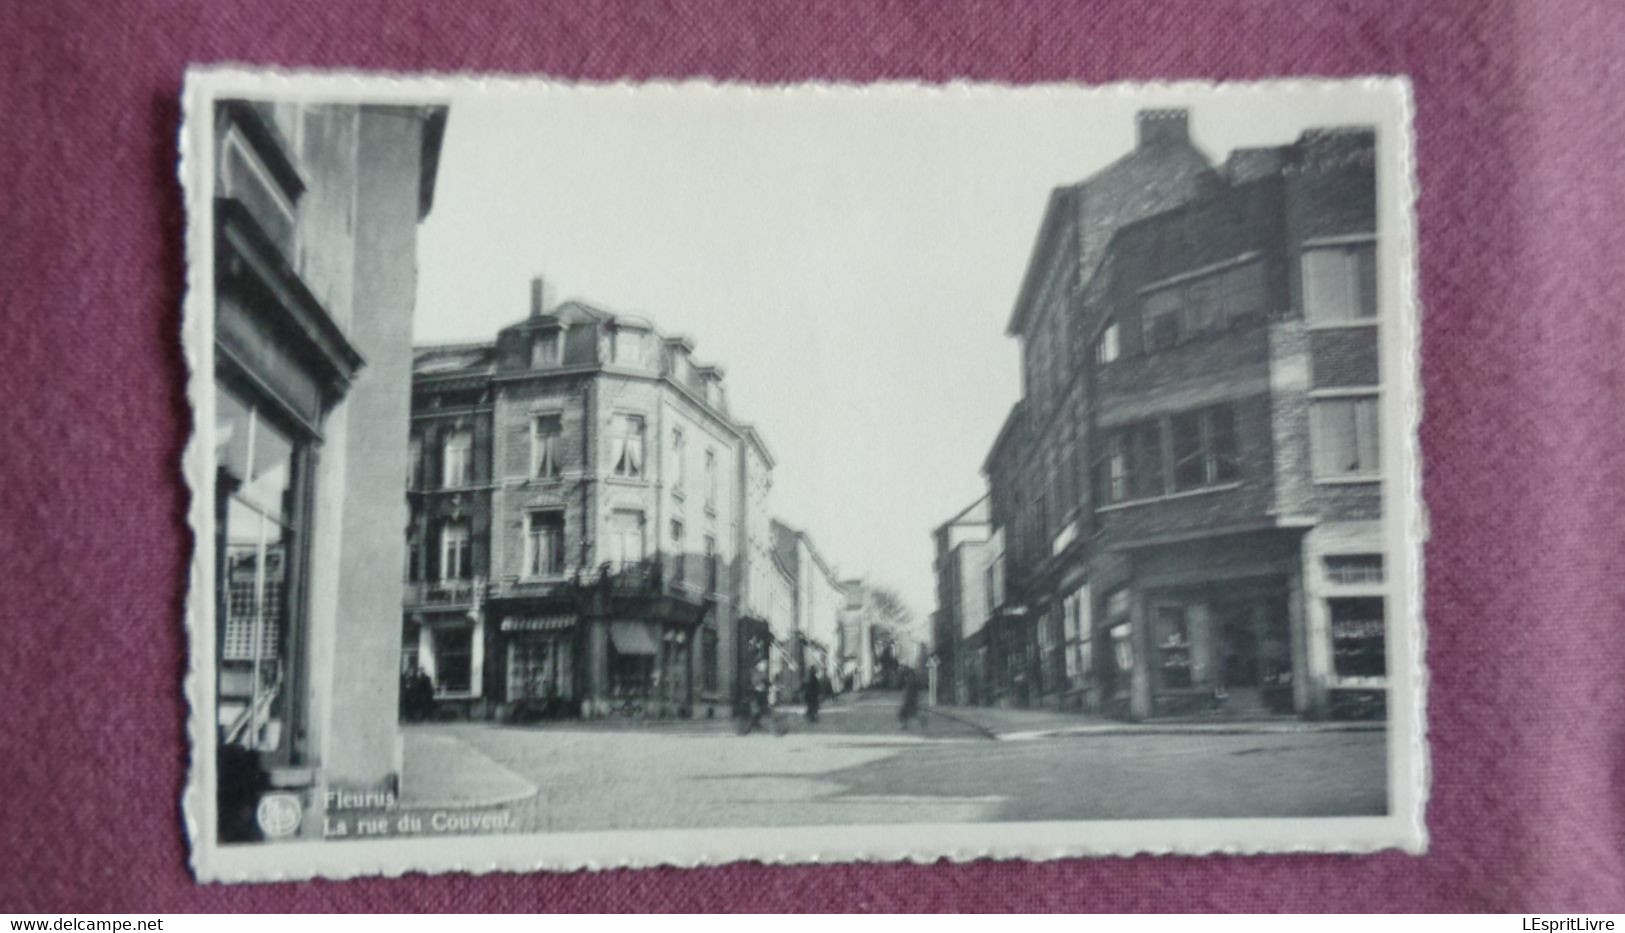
{"type": "Point", "coordinates": [857, 766]}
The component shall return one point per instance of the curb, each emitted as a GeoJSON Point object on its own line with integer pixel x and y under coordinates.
{"type": "Point", "coordinates": [1167, 728]}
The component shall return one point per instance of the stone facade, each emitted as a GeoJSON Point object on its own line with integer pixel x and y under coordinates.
{"type": "Point", "coordinates": [614, 565]}
{"type": "Point", "coordinates": [1190, 488]}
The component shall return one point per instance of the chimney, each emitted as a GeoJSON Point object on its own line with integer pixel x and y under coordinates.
{"type": "Point", "coordinates": [1162, 127]}
{"type": "Point", "coordinates": [538, 296]}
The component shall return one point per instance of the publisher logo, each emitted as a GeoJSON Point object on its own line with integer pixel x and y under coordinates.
{"type": "Point", "coordinates": [279, 815]}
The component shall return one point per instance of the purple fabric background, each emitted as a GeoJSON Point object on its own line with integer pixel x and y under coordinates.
{"type": "Point", "coordinates": [1519, 134]}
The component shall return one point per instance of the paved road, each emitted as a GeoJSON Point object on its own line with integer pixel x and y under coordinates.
{"type": "Point", "coordinates": [856, 766]}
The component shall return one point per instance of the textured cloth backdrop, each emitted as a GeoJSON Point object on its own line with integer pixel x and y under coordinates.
{"type": "Point", "coordinates": [1519, 141]}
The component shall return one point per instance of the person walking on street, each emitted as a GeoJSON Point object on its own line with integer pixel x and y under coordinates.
{"type": "Point", "coordinates": [911, 699]}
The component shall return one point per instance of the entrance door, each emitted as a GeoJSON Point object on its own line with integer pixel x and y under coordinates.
{"type": "Point", "coordinates": [1253, 654]}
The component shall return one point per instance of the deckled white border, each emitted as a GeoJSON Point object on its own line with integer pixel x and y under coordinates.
{"type": "Point", "coordinates": [1405, 523]}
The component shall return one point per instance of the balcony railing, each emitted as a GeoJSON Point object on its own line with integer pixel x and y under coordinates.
{"type": "Point", "coordinates": [444, 593]}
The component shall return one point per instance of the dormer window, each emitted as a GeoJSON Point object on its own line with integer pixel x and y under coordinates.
{"type": "Point", "coordinates": [628, 347]}
{"type": "Point", "coordinates": [547, 351]}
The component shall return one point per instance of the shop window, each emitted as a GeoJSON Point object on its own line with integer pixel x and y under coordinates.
{"type": "Point", "coordinates": [455, 558]}
{"type": "Point", "coordinates": [546, 433]}
{"type": "Point", "coordinates": [1108, 344]}
{"type": "Point", "coordinates": [709, 668]}
{"type": "Point", "coordinates": [1204, 447]}
{"type": "Point", "coordinates": [1173, 635]}
{"type": "Point", "coordinates": [1123, 654]}
{"type": "Point", "coordinates": [1354, 569]}
{"type": "Point", "coordinates": [454, 659]}
{"type": "Point", "coordinates": [544, 544]}
{"type": "Point", "coordinates": [540, 668]}
{"type": "Point", "coordinates": [1359, 648]}
{"type": "Point", "coordinates": [259, 469]}
{"type": "Point", "coordinates": [1340, 284]}
{"type": "Point", "coordinates": [626, 446]}
{"type": "Point", "coordinates": [1344, 433]}
{"type": "Point", "coordinates": [458, 460]}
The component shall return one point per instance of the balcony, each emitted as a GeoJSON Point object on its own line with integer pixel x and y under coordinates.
{"type": "Point", "coordinates": [443, 594]}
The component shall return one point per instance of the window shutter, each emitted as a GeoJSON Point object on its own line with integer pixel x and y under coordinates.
{"type": "Point", "coordinates": [517, 455]}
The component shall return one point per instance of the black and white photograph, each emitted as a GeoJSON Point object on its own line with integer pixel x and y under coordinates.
{"type": "Point", "coordinates": [677, 474]}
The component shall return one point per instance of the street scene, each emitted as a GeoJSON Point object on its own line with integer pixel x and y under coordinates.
{"type": "Point", "coordinates": [596, 492]}
{"type": "Point", "coordinates": [856, 766]}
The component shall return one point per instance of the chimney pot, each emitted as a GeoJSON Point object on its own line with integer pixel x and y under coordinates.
{"type": "Point", "coordinates": [538, 297]}
{"type": "Point", "coordinates": [1163, 126]}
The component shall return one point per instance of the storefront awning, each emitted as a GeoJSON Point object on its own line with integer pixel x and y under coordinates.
{"type": "Point", "coordinates": [544, 623]}
{"type": "Point", "coordinates": [632, 638]}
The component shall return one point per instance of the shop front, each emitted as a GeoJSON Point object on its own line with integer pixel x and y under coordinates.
{"type": "Point", "coordinates": [1223, 648]}
{"type": "Point", "coordinates": [539, 666]}
{"type": "Point", "coordinates": [648, 670]}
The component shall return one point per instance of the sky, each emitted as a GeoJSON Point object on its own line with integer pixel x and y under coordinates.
{"type": "Point", "coordinates": [849, 256]}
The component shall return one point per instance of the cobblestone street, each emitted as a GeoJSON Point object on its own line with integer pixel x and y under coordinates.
{"type": "Point", "coordinates": [856, 766]}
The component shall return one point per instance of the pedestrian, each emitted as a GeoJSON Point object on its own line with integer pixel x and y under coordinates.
{"type": "Point", "coordinates": [760, 700]}
{"type": "Point", "coordinates": [812, 692]}
{"type": "Point", "coordinates": [911, 698]}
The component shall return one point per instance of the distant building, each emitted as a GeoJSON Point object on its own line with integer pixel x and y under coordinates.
{"type": "Point", "coordinates": [960, 544]}
{"type": "Point", "coordinates": [817, 602]}
{"type": "Point", "coordinates": [316, 209]}
{"type": "Point", "coordinates": [583, 538]}
{"type": "Point", "coordinates": [1189, 490]}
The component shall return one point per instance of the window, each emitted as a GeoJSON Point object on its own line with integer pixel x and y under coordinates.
{"type": "Point", "coordinates": [458, 460]}
{"type": "Point", "coordinates": [548, 349]}
{"type": "Point", "coordinates": [710, 563]}
{"type": "Point", "coordinates": [1354, 569]}
{"type": "Point", "coordinates": [710, 479]}
{"type": "Point", "coordinates": [679, 459]}
{"type": "Point", "coordinates": [453, 659]}
{"type": "Point", "coordinates": [545, 434]}
{"type": "Point", "coordinates": [628, 349]}
{"type": "Point", "coordinates": [1344, 434]}
{"type": "Point", "coordinates": [626, 536]}
{"type": "Point", "coordinates": [709, 667]}
{"type": "Point", "coordinates": [414, 562]}
{"type": "Point", "coordinates": [1107, 345]}
{"type": "Point", "coordinates": [1131, 464]}
{"type": "Point", "coordinates": [1173, 647]}
{"type": "Point", "coordinates": [544, 544]}
{"type": "Point", "coordinates": [1232, 297]}
{"type": "Point", "coordinates": [259, 470]}
{"type": "Point", "coordinates": [245, 179]}
{"type": "Point", "coordinates": [1340, 284]}
{"type": "Point", "coordinates": [1075, 629]}
{"type": "Point", "coordinates": [414, 461]}
{"type": "Point", "coordinates": [1358, 643]}
{"type": "Point", "coordinates": [1204, 447]}
{"type": "Point", "coordinates": [626, 446]}
{"type": "Point", "coordinates": [454, 552]}
{"type": "Point", "coordinates": [677, 561]}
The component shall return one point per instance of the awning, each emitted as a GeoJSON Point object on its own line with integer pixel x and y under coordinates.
{"type": "Point", "coordinates": [632, 638]}
{"type": "Point", "coordinates": [545, 623]}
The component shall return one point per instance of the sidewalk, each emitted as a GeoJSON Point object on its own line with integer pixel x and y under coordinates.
{"type": "Point", "coordinates": [1018, 724]}
{"type": "Point", "coordinates": [445, 773]}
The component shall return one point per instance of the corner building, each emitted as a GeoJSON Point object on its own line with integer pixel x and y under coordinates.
{"type": "Point", "coordinates": [578, 544]}
{"type": "Point", "coordinates": [1191, 486]}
